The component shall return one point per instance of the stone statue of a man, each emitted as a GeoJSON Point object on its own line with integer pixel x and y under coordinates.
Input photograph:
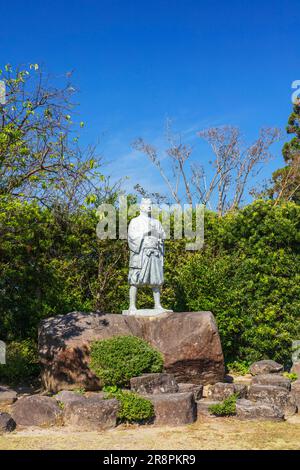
{"type": "Point", "coordinates": [146, 243]}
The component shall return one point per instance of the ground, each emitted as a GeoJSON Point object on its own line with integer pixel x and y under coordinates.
{"type": "Point", "coordinates": [208, 433]}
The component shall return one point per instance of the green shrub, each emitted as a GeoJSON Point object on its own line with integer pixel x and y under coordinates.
{"type": "Point", "coordinates": [133, 408]}
{"type": "Point", "coordinates": [248, 276]}
{"type": "Point", "coordinates": [292, 376]}
{"type": "Point", "coordinates": [238, 367]}
{"type": "Point", "coordinates": [21, 362]}
{"type": "Point", "coordinates": [226, 408]}
{"type": "Point", "coordinates": [116, 360]}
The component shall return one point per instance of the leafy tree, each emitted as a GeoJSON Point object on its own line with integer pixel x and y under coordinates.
{"type": "Point", "coordinates": [286, 180]}
{"type": "Point", "coordinates": [40, 156]}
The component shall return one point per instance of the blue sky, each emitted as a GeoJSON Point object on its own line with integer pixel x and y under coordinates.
{"type": "Point", "coordinates": [201, 63]}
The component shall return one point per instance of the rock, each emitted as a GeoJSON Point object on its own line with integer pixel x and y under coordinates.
{"type": "Point", "coordinates": [269, 394]}
{"type": "Point", "coordinates": [265, 367]}
{"type": "Point", "coordinates": [92, 414]}
{"type": "Point", "coordinates": [272, 379]}
{"type": "Point", "coordinates": [241, 390]}
{"type": "Point", "coordinates": [37, 410]}
{"type": "Point", "coordinates": [7, 424]}
{"type": "Point", "coordinates": [221, 390]}
{"type": "Point", "coordinates": [197, 390]}
{"type": "Point", "coordinates": [273, 395]}
{"type": "Point", "coordinates": [246, 409]}
{"type": "Point", "coordinates": [244, 379]}
{"type": "Point", "coordinates": [7, 396]}
{"type": "Point", "coordinates": [96, 395]}
{"type": "Point", "coordinates": [291, 407]}
{"type": "Point", "coordinates": [174, 409]}
{"type": "Point", "coordinates": [203, 408]}
{"type": "Point", "coordinates": [295, 393]}
{"type": "Point", "coordinates": [67, 396]}
{"type": "Point", "coordinates": [154, 383]}
{"type": "Point", "coordinates": [189, 342]}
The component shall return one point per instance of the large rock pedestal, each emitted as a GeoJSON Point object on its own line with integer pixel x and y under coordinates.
{"type": "Point", "coordinates": [189, 342]}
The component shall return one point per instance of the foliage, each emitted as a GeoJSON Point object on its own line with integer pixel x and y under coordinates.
{"type": "Point", "coordinates": [51, 263]}
{"type": "Point", "coordinates": [21, 362]}
{"type": "Point", "coordinates": [133, 408]}
{"type": "Point", "coordinates": [47, 259]}
{"type": "Point", "coordinates": [248, 276]}
{"type": "Point", "coordinates": [116, 360]}
{"type": "Point", "coordinates": [292, 376]}
{"type": "Point", "coordinates": [40, 156]}
{"type": "Point", "coordinates": [286, 180]}
{"type": "Point", "coordinates": [226, 408]}
{"type": "Point", "coordinates": [238, 367]}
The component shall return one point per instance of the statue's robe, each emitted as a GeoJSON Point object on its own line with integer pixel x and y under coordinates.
{"type": "Point", "coordinates": [146, 251]}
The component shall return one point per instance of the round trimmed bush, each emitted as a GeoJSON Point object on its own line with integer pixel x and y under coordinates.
{"type": "Point", "coordinates": [116, 360]}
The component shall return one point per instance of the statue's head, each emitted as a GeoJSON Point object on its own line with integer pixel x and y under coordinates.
{"type": "Point", "coordinates": [146, 205]}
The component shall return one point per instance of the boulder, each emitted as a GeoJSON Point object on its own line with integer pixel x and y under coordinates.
{"type": "Point", "coordinates": [220, 391]}
{"type": "Point", "coordinates": [203, 408]}
{"type": "Point", "coordinates": [96, 395]}
{"type": "Point", "coordinates": [272, 379]}
{"type": "Point", "coordinates": [189, 342]}
{"type": "Point", "coordinates": [154, 383]}
{"type": "Point", "coordinates": [266, 366]}
{"type": "Point", "coordinates": [269, 394]}
{"type": "Point", "coordinates": [92, 414]}
{"type": "Point", "coordinates": [67, 396]}
{"type": "Point", "coordinates": [246, 409]}
{"type": "Point", "coordinates": [37, 410]}
{"type": "Point", "coordinates": [174, 409]}
{"type": "Point", "coordinates": [295, 393]}
{"type": "Point", "coordinates": [197, 390]}
{"type": "Point", "coordinates": [7, 424]}
{"type": "Point", "coordinates": [278, 396]}
{"type": "Point", "coordinates": [291, 407]}
{"type": "Point", "coordinates": [7, 396]}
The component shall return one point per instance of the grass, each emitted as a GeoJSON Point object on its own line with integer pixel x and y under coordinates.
{"type": "Point", "coordinates": [211, 433]}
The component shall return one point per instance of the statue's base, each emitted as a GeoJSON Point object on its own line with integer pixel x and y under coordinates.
{"type": "Point", "coordinates": [146, 312]}
{"type": "Point", "coordinates": [188, 341]}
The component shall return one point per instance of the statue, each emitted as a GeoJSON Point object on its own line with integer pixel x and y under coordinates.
{"type": "Point", "coordinates": [146, 243]}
